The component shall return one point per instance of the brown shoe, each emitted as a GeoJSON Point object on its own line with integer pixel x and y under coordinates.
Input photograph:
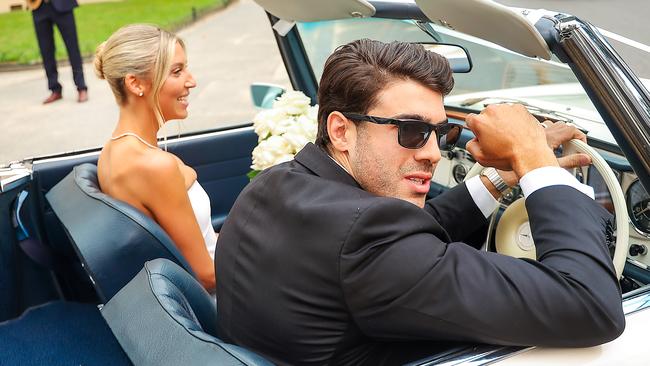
{"type": "Point", "coordinates": [83, 96]}
{"type": "Point", "coordinates": [53, 97]}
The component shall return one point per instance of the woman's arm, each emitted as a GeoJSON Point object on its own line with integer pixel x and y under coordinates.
{"type": "Point", "coordinates": [162, 188]}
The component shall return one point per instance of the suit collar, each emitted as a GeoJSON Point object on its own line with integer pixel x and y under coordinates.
{"type": "Point", "coordinates": [318, 161]}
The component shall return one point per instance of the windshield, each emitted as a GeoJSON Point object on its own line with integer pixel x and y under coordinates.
{"type": "Point", "coordinates": [498, 75]}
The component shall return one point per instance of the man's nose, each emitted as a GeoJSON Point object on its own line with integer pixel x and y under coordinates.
{"type": "Point", "coordinates": [430, 151]}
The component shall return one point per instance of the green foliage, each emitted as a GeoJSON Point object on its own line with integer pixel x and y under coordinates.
{"type": "Point", "coordinates": [252, 174]}
{"type": "Point", "coordinates": [95, 22]}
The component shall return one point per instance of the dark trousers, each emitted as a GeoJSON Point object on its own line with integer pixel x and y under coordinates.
{"type": "Point", "coordinates": [45, 17]}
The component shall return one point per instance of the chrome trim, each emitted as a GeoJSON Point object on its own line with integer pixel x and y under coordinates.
{"type": "Point", "coordinates": [639, 231]}
{"type": "Point", "coordinates": [481, 354]}
{"type": "Point", "coordinates": [637, 303]}
{"type": "Point", "coordinates": [617, 93]}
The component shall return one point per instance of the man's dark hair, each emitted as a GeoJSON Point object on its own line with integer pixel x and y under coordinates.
{"type": "Point", "coordinates": [356, 72]}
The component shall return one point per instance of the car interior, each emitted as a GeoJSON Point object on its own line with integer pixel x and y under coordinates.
{"type": "Point", "coordinates": [94, 281]}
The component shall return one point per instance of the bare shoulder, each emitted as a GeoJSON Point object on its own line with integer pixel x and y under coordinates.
{"type": "Point", "coordinates": [156, 172]}
{"type": "Point", "coordinates": [157, 164]}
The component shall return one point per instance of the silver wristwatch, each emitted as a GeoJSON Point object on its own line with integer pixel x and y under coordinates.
{"type": "Point", "coordinates": [494, 177]}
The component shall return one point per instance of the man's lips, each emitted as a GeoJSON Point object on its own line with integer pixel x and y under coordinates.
{"type": "Point", "coordinates": [420, 182]}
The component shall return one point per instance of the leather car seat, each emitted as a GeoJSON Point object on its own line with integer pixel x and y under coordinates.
{"type": "Point", "coordinates": [165, 317]}
{"type": "Point", "coordinates": [112, 238]}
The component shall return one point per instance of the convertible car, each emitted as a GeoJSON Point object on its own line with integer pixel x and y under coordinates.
{"type": "Point", "coordinates": [85, 279]}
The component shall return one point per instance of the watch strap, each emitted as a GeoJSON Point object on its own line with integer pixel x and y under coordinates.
{"type": "Point", "coordinates": [493, 176]}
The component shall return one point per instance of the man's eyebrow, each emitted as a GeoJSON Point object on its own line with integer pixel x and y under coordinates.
{"type": "Point", "coordinates": [418, 117]}
{"type": "Point", "coordinates": [411, 116]}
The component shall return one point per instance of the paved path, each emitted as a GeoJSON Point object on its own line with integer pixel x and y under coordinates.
{"type": "Point", "coordinates": [224, 59]}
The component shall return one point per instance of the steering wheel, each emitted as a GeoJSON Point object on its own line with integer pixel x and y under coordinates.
{"type": "Point", "coordinates": [513, 236]}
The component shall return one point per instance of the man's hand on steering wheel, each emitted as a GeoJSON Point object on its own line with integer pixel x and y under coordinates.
{"type": "Point", "coordinates": [557, 134]}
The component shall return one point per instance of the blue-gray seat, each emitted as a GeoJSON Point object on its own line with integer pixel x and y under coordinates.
{"type": "Point", "coordinates": [165, 317]}
{"type": "Point", "coordinates": [113, 239]}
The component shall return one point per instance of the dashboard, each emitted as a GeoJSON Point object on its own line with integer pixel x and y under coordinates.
{"type": "Point", "coordinates": [454, 166]}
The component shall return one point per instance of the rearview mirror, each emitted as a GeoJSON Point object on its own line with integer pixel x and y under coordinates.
{"type": "Point", "coordinates": [457, 56]}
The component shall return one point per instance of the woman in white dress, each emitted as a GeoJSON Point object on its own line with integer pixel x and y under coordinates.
{"type": "Point", "coordinates": [146, 68]}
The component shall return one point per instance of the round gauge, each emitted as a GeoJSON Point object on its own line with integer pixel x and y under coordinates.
{"type": "Point", "coordinates": [459, 172]}
{"type": "Point", "coordinates": [638, 205]}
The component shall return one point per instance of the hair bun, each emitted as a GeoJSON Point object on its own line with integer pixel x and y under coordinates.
{"type": "Point", "coordinates": [99, 61]}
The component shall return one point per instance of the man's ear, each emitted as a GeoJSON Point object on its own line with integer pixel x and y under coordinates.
{"type": "Point", "coordinates": [135, 85]}
{"type": "Point", "coordinates": [341, 131]}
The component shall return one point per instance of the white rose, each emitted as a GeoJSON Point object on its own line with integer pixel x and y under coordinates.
{"type": "Point", "coordinates": [283, 158]}
{"type": "Point", "coordinates": [302, 131]}
{"type": "Point", "coordinates": [271, 151]}
{"type": "Point", "coordinates": [297, 139]}
{"type": "Point", "coordinates": [309, 126]}
{"type": "Point", "coordinates": [265, 120]}
{"type": "Point", "coordinates": [293, 103]}
{"type": "Point", "coordinates": [312, 113]}
{"type": "Point", "coordinates": [281, 126]}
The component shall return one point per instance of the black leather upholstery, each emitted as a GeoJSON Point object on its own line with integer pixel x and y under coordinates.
{"type": "Point", "coordinates": [165, 317]}
{"type": "Point", "coordinates": [112, 238]}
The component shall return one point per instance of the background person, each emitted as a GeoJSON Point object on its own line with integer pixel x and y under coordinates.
{"type": "Point", "coordinates": [146, 68]}
{"type": "Point", "coordinates": [337, 257]}
{"type": "Point", "coordinates": [46, 16]}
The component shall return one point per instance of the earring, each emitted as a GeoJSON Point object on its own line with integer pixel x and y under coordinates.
{"type": "Point", "coordinates": [141, 94]}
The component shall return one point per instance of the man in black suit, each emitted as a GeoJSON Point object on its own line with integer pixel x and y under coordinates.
{"type": "Point", "coordinates": [59, 13]}
{"type": "Point", "coordinates": [337, 257]}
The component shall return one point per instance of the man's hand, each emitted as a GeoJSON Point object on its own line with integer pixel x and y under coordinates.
{"type": "Point", "coordinates": [508, 137]}
{"type": "Point", "coordinates": [559, 132]}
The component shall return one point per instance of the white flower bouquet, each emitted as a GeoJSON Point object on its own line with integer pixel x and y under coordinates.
{"type": "Point", "coordinates": [283, 130]}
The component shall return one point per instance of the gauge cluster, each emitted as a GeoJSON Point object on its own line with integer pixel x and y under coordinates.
{"type": "Point", "coordinates": [454, 166]}
{"type": "Point", "coordinates": [638, 204]}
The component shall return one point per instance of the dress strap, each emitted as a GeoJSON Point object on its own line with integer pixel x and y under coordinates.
{"type": "Point", "coordinates": [136, 136]}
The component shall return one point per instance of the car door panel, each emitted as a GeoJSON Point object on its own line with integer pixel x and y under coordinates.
{"type": "Point", "coordinates": [23, 282]}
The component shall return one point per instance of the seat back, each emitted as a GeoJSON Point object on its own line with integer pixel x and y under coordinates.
{"type": "Point", "coordinates": [165, 317]}
{"type": "Point", "coordinates": [113, 239]}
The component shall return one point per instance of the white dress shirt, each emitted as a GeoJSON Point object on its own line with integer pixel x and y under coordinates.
{"type": "Point", "coordinates": [529, 183]}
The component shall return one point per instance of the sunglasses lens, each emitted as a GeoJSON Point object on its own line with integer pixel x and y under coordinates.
{"type": "Point", "coordinates": [413, 135]}
{"type": "Point", "coordinates": [449, 137]}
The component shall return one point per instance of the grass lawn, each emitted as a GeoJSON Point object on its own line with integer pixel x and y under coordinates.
{"type": "Point", "coordinates": [95, 22]}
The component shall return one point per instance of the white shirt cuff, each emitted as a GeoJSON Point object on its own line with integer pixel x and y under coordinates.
{"type": "Point", "coordinates": [481, 196]}
{"type": "Point", "coordinates": [551, 176]}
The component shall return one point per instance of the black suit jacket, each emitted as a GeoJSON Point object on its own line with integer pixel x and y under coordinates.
{"type": "Point", "coordinates": [312, 269]}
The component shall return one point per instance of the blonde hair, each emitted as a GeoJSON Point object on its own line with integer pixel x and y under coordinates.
{"type": "Point", "coordinates": [143, 50]}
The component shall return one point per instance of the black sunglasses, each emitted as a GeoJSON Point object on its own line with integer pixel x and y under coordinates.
{"type": "Point", "coordinates": [413, 133]}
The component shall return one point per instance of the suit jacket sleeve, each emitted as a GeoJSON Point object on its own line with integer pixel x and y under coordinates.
{"type": "Point", "coordinates": [456, 212]}
{"type": "Point", "coordinates": [401, 282]}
